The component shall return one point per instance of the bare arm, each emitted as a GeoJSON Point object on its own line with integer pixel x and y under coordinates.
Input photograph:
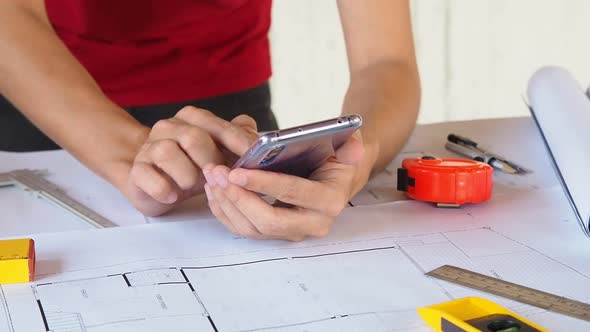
{"type": "Point", "coordinates": [155, 168]}
{"type": "Point", "coordinates": [384, 89]}
{"type": "Point", "coordinates": [384, 82]}
{"type": "Point", "coordinates": [42, 78]}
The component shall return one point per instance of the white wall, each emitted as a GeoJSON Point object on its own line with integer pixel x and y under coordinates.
{"type": "Point", "coordinates": [475, 56]}
{"type": "Point", "coordinates": [310, 72]}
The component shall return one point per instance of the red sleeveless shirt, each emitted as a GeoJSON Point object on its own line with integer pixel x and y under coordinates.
{"type": "Point", "coordinates": [144, 52]}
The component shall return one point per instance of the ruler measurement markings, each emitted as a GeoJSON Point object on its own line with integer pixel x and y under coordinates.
{"type": "Point", "coordinates": [33, 182]}
{"type": "Point", "coordinates": [5, 180]}
{"type": "Point", "coordinates": [513, 291]}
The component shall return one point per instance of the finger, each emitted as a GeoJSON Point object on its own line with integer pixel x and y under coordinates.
{"type": "Point", "coordinates": [217, 212]}
{"type": "Point", "coordinates": [199, 145]}
{"type": "Point", "coordinates": [292, 224]}
{"type": "Point", "coordinates": [213, 202]}
{"type": "Point", "coordinates": [159, 187]}
{"type": "Point", "coordinates": [196, 142]}
{"type": "Point", "coordinates": [293, 190]}
{"type": "Point", "coordinates": [246, 122]}
{"type": "Point", "coordinates": [242, 225]}
{"type": "Point", "coordinates": [231, 136]}
{"type": "Point", "coordinates": [351, 152]}
{"type": "Point", "coordinates": [171, 159]}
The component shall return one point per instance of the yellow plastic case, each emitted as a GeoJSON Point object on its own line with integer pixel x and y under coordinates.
{"type": "Point", "coordinates": [473, 314]}
{"type": "Point", "coordinates": [17, 261]}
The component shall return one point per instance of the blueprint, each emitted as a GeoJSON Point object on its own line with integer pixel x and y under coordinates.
{"type": "Point", "coordinates": [38, 215]}
{"type": "Point", "coordinates": [562, 112]}
{"type": "Point", "coordinates": [185, 272]}
{"type": "Point", "coordinates": [368, 275]}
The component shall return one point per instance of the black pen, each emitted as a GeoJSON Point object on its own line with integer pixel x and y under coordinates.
{"type": "Point", "coordinates": [469, 148]}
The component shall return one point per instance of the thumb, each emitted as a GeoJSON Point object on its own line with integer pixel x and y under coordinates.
{"type": "Point", "coordinates": [352, 151]}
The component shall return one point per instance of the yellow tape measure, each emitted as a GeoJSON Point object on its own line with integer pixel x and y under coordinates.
{"type": "Point", "coordinates": [473, 314]}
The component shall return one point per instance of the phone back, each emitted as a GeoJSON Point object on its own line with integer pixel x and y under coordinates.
{"type": "Point", "coordinates": [299, 150]}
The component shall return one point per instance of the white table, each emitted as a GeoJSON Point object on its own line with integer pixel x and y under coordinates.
{"type": "Point", "coordinates": [526, 233]}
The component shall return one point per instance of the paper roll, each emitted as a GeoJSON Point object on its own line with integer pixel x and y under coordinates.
{"type": "Point", "coordinates": [562, 112]}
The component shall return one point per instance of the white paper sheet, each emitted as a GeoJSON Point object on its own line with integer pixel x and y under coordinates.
{"type": "Point", "coordinates": [517, 139]}
{"type": "Point", "coordinates": [562, 111]}
{"type": "Point", "coordinates": [86, 187]}
{"type": "Point", "coordinates": [75, 179]}
{"type": "Point", "coordinates": [366, 276]}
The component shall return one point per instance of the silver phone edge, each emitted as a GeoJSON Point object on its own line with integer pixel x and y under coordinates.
{"type": "Point", "coordinates": [293, 133]}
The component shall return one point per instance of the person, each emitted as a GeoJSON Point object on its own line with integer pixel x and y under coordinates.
{"type": "Point", "coordinates": [158, 97]}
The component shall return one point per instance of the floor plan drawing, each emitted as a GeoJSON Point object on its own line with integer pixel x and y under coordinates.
{"type": "Point", "coordinates": [357, 285]}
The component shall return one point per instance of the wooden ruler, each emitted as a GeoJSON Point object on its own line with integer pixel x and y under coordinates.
{"type": "Point", "coordinates": [33, 182]}
{"type": "Point", "coordinates": [512, 291]}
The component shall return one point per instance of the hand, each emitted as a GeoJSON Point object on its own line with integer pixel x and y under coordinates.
{"type": "Point", "coordinates": [307, 207]}
{"type": "Point", "coordinates": [167, 168]}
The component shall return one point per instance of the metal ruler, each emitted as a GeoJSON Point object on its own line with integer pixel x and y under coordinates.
{"type": "Point", "coordinates": [6, 180]}
{"type": "Point", "coordinates": [512, 291]}
{"type": "Point", "coordinates": [33, 182]}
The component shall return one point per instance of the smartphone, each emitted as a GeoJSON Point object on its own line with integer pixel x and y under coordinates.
{"type": "Point", "coordinates": [299, 150]}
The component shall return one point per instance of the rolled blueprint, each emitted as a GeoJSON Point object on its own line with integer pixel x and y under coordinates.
{"type": "Point", "coordinates": [561, 110]}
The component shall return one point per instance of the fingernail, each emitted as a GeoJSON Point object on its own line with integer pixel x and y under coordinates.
{"type": "Point", "coordinates": [208, 193]}
{"type": "Point", "coordinates": [221, 179]}
{"type": "Point", "coordinates": [238, 178]}
{"type": "Point", "coordinates": [171, 198]}
{"type": "Point", "coordinates": [209, 177]}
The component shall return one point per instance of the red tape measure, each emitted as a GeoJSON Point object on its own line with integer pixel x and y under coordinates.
{"type": "Point", "coordinates": [446, 182]}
